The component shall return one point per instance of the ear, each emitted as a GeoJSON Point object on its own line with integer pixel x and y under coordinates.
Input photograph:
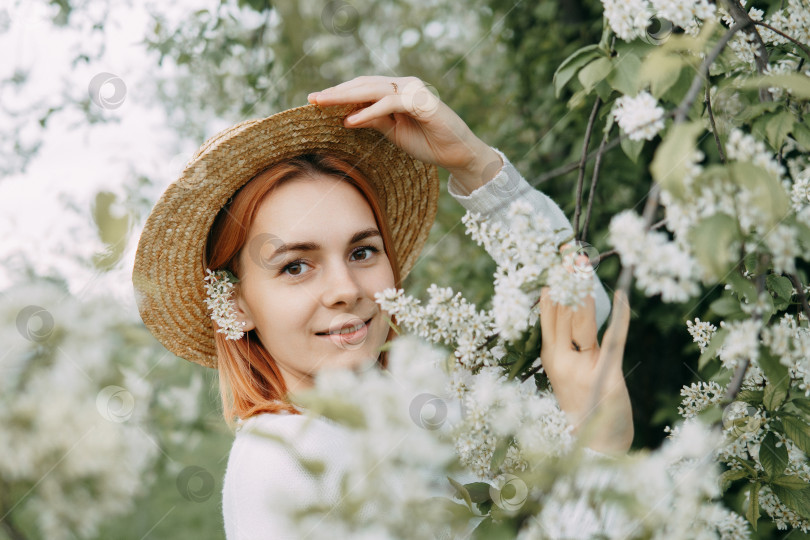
{"type": "Point", "coordinates": [243, 313]}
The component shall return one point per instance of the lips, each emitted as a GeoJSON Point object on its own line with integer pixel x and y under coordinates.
{"type": "Point", "coordinates": [349, 327]}
{"type": "Point", "coordinates": [350, 334]}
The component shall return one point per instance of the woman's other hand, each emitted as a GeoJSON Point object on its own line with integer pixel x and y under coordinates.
{"type": "Point", "coordinates": [587, 379]}
{"type": "Point", "coordinates": [412, 117]}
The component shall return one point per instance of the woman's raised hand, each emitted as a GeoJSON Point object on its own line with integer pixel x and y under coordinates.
{"type": "Point", "coordinates": [587, 379]}
{"type": "Point", "coordinates": [412, 117]}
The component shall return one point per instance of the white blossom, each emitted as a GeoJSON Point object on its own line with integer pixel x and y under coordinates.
{"type": "Point", "coordinates": [701, 332]}
{"type": "Point", "coordinates": [640, 117]}
{"type": "Point", "coordinates": [659, 265]}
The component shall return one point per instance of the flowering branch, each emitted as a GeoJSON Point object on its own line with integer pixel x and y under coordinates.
{"type": "Point", "coordinates": [775, 30]}
{"type": "Point", "coordinates": [800, 290]}
{"type": "Point", "coordinates": [741, 17]}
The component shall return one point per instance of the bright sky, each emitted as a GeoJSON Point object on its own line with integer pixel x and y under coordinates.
{"type": "Point", "coordinates": [78, 159]}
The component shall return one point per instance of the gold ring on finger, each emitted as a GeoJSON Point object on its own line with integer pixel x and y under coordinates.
{"type": "Point", "coordinates": [396, 88]}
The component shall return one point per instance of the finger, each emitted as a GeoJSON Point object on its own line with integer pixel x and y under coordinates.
{"type": "Point", "coordinates": [563, 329]}
{"type": "Point", "coordinates": [548, 317]}
{"type": "Point", "coordinates": [357, 91]}
{"type": "Point", "coordinates": [384, 124]}
{"type": "Point", "coordinates": [583, 323]}
{"type": "Point", "coordinates": [616, 334]}
{"type": "Point", "coordinates": [383, 108]}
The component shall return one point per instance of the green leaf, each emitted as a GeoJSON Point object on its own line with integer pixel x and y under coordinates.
{"type": "Point", "coordinates": [790, 482]}
{"type": "Point", "coordinates": [499, 454]}
{"type": "Point", "coordinates": [660, 71]}
{"type": "Point", "coordinates": [752, 514]}
{"type": "Point", "coordinates": [798, 501]}
{"type": "Point", "coordinates": [594, 72]}
{"type": "Point", "coordinates": [743, 286]}
{"type": "Point", "coordinates": [711, 238]}
{"type": "Point", "coordinates": [461, 492]}
{"type": "Point", "coordinates": [479, 491]}
{"type": "Point", "coordinates": [714, 345]}
{"type": "Point", "coordinates": [730, 476]}
{"type": "Point", "coordinates": [801, 132]}
{"type": "Point", "coordinates": [778, 127]}
{"type": "Point", "coordinates": [803, 404]}
{"type": "Point", "coordinates": [774, 459]}
{"type": "Point", "coordinates": [775, 394]}
{"type": "Point", "coordinates": [625, 73]}
{"type": "Point", "coordinates": [774, 370]}
{"type": "Point", "coordinates": [571, 65]}
{"type": "Point", "coordinates": [798, 84]}
{"type": "Point", "coordinates": [753, 397]}
{"type": "Point", "coordinates": [673, 155]}
{"type": "Point", "coordinates": [632, 148]}
{"type": "Point", "coordinates": [780, 285]}
{"type": "Point", "coordinates": [767, 192]}
{"type": "Point", "coordinates": [798, 431]}
{"type": "Point", "coordinates": [726, 307]}
{"type": "Point", "coordinates": [316, 467]}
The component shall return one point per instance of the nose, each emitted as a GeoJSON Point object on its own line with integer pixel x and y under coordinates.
{"type": "Point", "coordinates": [341, 287]}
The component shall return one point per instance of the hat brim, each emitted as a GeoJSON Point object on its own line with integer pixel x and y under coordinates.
{"type": "Point", "coordinates": [168, 274]}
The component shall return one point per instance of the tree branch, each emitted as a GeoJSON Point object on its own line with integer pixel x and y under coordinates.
{"type": "Point", "coordinates": [594, 179]}
{"type": "Point", "coordinates": [741, 16]}
{"type": "Point", "coordinates": [703, 71]}
{"type": "Point", "coordinates": [720, 149]}
{"type": "Point", "coordinates": [795, 41]}
{"type": "Point", "coordinates": [583, 161]}
{"type": "Point", "coordinates": [739, 373]}
{"type": "Point", "coordinates": [802, 297]}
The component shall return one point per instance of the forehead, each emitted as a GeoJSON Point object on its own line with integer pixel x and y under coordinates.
{"type": "Point", "coordinates": [313, 207]}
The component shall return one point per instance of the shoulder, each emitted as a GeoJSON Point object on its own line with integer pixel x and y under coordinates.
{"type": "Point", "coordinates": [278, 462]}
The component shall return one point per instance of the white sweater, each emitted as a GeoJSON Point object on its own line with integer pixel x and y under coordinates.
{"type": "Point", "coordinates": [263, 466]}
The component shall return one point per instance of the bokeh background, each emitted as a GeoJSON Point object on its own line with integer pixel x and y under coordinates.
{"type": "Point", "coordinates": [103, 433]}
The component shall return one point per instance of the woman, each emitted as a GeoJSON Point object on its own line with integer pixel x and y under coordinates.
{"type": "Point", "coordinates": [299, 219]}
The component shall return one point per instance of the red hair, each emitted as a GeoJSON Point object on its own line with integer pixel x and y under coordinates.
{"type": "Point", "coordinates": [250, 381]}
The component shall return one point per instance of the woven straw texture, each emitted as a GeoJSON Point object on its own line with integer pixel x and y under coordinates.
{"type": "Point", "coordinates": [169, 271]}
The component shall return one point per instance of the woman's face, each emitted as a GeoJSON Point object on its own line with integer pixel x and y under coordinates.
{"type": "Point", "coordinates": [310, 267]}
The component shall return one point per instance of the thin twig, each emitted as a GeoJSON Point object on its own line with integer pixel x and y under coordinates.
{"type": "Point", "coordinates": [720, 149]}
{"type": "Point", "coordinates": [796, 42]}
{"type": "Point", "coordinates": [739, 373]}
{"type": "Point", "coordinates": [800, 290]}
{"type": "Point", "coordinates": [703, 71]}
{"type": "Point", "coordinates": [606, 254]}
{"type": "Point", "coordinates": [594, 179]}
{"type": "Point", "coordinates": [741, 16]}
{"type": "Point", "coordinates": [583, 161]}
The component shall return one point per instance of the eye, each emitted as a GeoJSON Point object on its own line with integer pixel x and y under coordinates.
{"type": "Point", "coordinates": [295, 268]}
{"type": "Point", "coordinates": [364, 253]}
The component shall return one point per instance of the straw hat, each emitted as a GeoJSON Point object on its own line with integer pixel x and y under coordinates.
{"type": "Point", "coordinates": [169, 274]}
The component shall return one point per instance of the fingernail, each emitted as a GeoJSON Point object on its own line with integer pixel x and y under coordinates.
{"type": "Point", "coordinates": [352, 118]}
{"type": "Point", "coordinates": [312, 97]}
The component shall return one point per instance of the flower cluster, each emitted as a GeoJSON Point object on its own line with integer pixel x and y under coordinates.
{"type": "Point", "coordinates": [631, 19]}
{"type": "Point", "coordinates": [448, 319]}
{"type": "Point", "coordinates": [73, 409]}
{"type": "Point", "coordinates": [640, 117]}
{"type": "Point", "coordinates": [529, 257]}
{"type": "Point", "coordinates": [218, 290]}
{"type": "Point", "coordinates": [660, 265]}
{"type": "Point", "coordinates": [701, 332]}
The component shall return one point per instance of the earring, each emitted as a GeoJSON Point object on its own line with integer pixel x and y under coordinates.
{"type": "Point", "coordinates": [219, 288]}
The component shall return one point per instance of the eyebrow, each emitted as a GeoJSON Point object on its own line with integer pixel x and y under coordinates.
{"type": "Point", "coordinates": [312, 246]}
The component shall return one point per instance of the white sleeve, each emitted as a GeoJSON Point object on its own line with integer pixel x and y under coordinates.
{"type": "Point", "coordinates": [264, 482]}
{"type": "Point", "coordinates": [492, 201]}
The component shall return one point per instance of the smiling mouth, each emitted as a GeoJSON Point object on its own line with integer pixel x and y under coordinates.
{"type": "Point", "coordinates": [346, 330]}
